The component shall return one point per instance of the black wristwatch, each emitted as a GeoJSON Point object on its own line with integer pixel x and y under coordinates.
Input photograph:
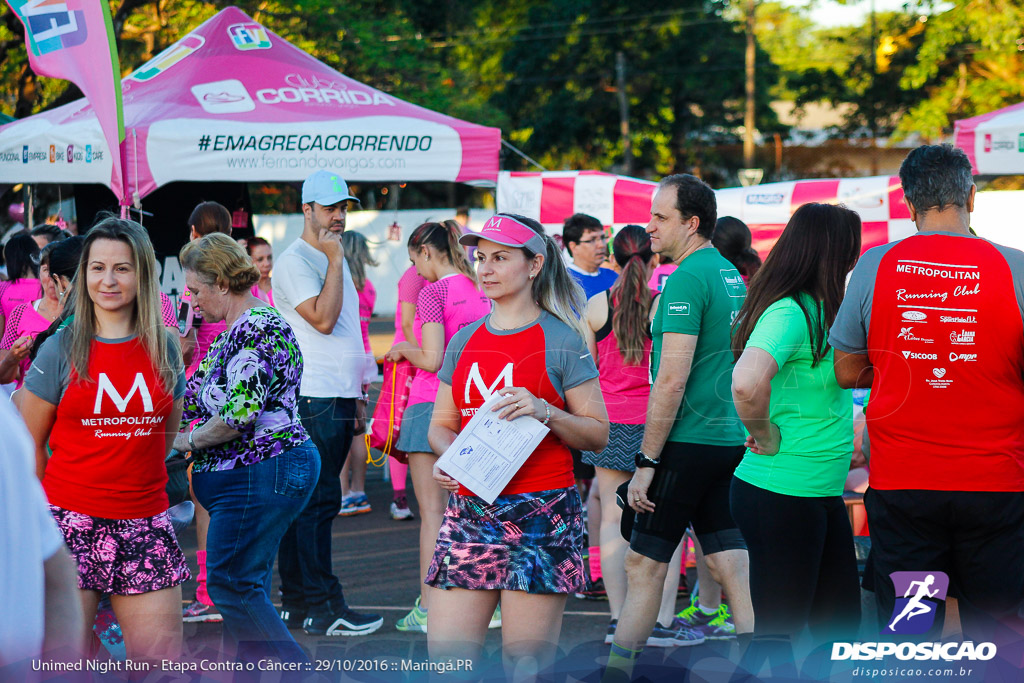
{"type": "Point", "coordinates": [643, 461]}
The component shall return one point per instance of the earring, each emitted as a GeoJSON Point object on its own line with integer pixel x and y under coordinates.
{"type": "Point", "coordinates": [533, 275]}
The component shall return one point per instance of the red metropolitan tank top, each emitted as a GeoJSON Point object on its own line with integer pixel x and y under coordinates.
{"type": "Point", "coordinates": [108, 439]}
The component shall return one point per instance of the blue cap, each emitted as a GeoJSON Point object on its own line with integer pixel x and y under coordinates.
{"type": "Point", "coordinates": [325, 188]}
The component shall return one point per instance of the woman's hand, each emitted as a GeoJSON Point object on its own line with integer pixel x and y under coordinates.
{"type": "Point", "coordinates": [22, 345]}
{"type": "Point", "coordinates": [395, 355]}
{"type": "Point", "coordinates": [181, 443]}
{"type": "Point", "coordinates": [517, 402]}
{"type": "Point", "coordinates": [767, 445]}
{"type": "Point", "coordinates": [444, 481]}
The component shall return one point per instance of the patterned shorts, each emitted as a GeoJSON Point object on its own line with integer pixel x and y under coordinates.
{"type": "Point", "coordinates": [123, 556]}
{"type": "Point", "coordinates": [530, 542]}
{"type": "Point", "coordinates": [620, 454]}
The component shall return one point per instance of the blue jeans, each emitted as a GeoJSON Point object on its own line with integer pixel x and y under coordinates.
{"type": "Point", "coordinates": [250, 509]}
{"type": "Point", "coordinates": [308, 583]}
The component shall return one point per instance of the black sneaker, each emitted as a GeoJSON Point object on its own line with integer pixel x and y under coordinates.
{"type": "Point", "coordinates": [594, 590]}
{"type": "Point", "coordinates": [293, 617]}
{"type": "Point", "coordinates": [343, 623]}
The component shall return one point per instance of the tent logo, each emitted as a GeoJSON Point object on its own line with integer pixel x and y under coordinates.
{"type": "Point", "coordinates": [51, 25]}
{"type": "Point", "coordinates": [251, 36]}
{"type": "Point", "coordinates": [168, 58]}
{"type": "Point", "coordinates": [223, 97]}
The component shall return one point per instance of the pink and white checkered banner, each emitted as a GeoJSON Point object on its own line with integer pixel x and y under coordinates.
{"type": "Point", "coordinates": [553, 196]}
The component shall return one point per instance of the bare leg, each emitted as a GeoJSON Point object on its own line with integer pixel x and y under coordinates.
{"type": "Point", "coordinates": [646, 578]}
{"type": "Point", "coordinates": [530, 628]}
{"type": "Point", "coordinates": [613, 545]}
{"type": "Point", "coordinates": [458, 623]}
{"type": "Point", "coordinates": [90, 604]}
{"type": "Point", "coordinates": [151, 624]}
{"type": "Point", "coordinates": [732, 570]}
{"type": "Point", "coordinates": [709, 591]}
{"type": "Point", "coordinates": [356, 461]}
{"type": "Point", "coordinates": [667, 611]}
{"type": "Point", "coordinates": [432, 500]}
{"type": "Point", "coordinates": [594, 514]}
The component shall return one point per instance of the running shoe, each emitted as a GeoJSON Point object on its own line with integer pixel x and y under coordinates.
{"type": "Point", "coordinates": [354, 505]}
{"type": "Point", "coordinates": [673, 636]}
{"type": "Point", "coordinates": [593, 590]}
{"type": "Point", "coordinates": [717, 626]}
{"type": "Point", "coordinates": [197, 612]}
{"type": "Point", "coordinates": [293, 618]}
{"type": "Point", "coordinates": [495, 618]}
{"type": "Point", "coordinates": [400, 509]}
{"type": "Point", "coordinates": [416, 620]}
{"type": "Point", "coordinates": [609, 637]}
{"type": "Point", "coordinates": [344, 623]}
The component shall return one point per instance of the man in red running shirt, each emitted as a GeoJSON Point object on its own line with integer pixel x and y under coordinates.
{"type": "Point", "coordinates": [934, 325]}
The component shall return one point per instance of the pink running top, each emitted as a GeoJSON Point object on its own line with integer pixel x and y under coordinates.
{"type": "Point", "coordinates": [453, 301]}
{"type": "Point", "coordinates": [267, 296]}
{"type": "Point", "coordinates": [367, 298]}
{"type": "Point", "coordinates": [16, 292]}
{"type": "Point", "coordinates": [24, 319]}
{"type": "Point", "coordinates": [409, 287]}
{"type": "Point", "coordinates": [659, 276]}
{"type": "Point", "coordinates": [626, 388]}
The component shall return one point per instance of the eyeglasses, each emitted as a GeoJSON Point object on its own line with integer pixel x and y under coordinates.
{"type": "Point", "coordinates": [597, 238]}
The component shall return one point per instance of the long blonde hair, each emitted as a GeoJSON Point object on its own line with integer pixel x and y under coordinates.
{"type": "Point", "coordinates": [146, 317]}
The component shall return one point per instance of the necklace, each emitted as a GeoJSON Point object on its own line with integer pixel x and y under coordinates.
{"type": "Point", "coordinates": [514, 327]}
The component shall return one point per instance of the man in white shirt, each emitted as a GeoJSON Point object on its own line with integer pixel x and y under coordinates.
{"type": "Point", "coordinates": [42, 611]}
{"type": "Point", "coordinates": [314, 291]}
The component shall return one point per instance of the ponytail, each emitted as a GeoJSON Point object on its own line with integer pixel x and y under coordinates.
{"type": "Point", "coordinates": [444, 237]}
{"type": "Point", "coordinates": [631, 297]}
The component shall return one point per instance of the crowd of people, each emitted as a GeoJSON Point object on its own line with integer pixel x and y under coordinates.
{"type": "Point", "coordinates": [693, 395]}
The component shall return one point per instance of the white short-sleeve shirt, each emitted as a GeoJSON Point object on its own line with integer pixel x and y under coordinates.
{"type": "Point", "coordinates": [333, 364]}
{"type": "Point", "coordinates": [28, 537]}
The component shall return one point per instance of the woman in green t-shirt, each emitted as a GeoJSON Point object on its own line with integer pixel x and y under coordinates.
{"type": "Point", "coordinates": [786, 494]}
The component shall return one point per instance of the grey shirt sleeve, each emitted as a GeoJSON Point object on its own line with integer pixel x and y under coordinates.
{"type": "Point", "coordinates": [454, 350]}
{"type": "Point", "coordinates": [49, 374]}
{"type": "Point", "coordinates": [1015, 259]}
{"type": "Point", "coordinates": [568, 359]}
{"type": "Point", "coordinates": [849, 332]}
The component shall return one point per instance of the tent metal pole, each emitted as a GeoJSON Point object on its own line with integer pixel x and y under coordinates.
{"type": "Point", "coordinates": [523, 155]}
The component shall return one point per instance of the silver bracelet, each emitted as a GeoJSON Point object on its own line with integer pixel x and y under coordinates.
{"type": "Point", "coordinates": [547, 409]}
{"type": "Point", "coordinates": [191, 443]}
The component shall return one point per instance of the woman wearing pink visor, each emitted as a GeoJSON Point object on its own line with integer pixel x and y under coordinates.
{"type": "Point", "coordinates": [526, 547]}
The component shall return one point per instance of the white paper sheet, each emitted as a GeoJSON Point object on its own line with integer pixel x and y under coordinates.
{"type": "Point", "coordinates": [489, 451]}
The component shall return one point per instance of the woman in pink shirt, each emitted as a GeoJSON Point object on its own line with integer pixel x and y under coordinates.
{"type": "Point", "coordinates": [27, 320]}
{"type": "Point", "coordinates": [618, 337]}
{"type": "Point", "coordinates": [353, 494]}
{"type": "Point", "coordinates": [448, 303]}
{"type": "Point", "coordinates": [21, 253]}
{"type": "Point", "coordinates": [263, 258]}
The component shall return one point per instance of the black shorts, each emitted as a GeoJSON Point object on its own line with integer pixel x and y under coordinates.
{"type": "Point", "coordinates": [975, 537]}
{"type": "Point", "coordinates": [691, 486]}
{"type": "Point", "coordinates": [580, 469]}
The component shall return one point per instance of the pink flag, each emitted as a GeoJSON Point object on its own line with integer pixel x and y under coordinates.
{"type": "Point", "coordinates": [74, 40]}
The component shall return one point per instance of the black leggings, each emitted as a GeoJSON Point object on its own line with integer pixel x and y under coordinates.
{"type": "Point", "coordinates": [803, 570]}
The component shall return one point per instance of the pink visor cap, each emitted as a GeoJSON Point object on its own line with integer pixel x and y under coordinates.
{"type": "Point", "coordinates": [507, 231]}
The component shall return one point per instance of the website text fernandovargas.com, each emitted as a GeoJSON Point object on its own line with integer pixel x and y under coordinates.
{"type": "Point", "coordinates": [922, 672]}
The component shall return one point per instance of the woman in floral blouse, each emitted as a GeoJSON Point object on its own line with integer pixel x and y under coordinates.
{"type": "Point", "coordinates": [255, 467]}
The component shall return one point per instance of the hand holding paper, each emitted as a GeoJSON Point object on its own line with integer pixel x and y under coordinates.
{"type": "Point", "coordinates": [490, 449]}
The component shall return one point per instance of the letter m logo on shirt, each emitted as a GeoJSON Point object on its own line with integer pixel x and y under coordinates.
{"type": "Point", "coordinates": [476, 379]}
{"type": "Point", "coordinates": [107, 387]}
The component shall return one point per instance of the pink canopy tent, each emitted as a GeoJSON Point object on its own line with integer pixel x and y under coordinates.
{"type": "Point", "coordinates": [994, 142]}
{"type": "Point", "coordinates": [552, 196]}
{"type": "Point", "coordinates": [232, 101]}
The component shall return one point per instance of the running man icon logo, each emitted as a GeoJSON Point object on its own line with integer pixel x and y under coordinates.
{"type": "Point", "coordinates": [918, 595]}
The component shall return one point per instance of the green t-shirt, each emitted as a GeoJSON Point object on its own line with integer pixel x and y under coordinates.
{"type": "Point", "coordinates": [701, 297]}
{"type": "Point", "coordinates": [814, 414]}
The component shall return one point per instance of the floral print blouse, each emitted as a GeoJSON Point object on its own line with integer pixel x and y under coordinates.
{"type": "Point", "coordinates": [250, 380]}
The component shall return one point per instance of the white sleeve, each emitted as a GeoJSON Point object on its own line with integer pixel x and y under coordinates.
{"type": "Point", "coordinates": [296, 279]}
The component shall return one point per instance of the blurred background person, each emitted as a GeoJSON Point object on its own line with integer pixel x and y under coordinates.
{"type": "Point", "coordinates": [733, 240]}
{"type": "Point", "coordinates": [21, 254]}
{"type": "Point", "coordinates": [353, 472]}
{"type": "Point", "coordinates": [46, 233]}
{"type": "Point", "coordinates": [262, 256]}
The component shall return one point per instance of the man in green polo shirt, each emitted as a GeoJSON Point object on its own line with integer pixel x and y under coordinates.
{"type": "Point", "coordinates": [693, 439]}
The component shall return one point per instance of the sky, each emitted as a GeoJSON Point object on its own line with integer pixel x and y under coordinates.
{"type": "Point", "coordinates": [831, 13]}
